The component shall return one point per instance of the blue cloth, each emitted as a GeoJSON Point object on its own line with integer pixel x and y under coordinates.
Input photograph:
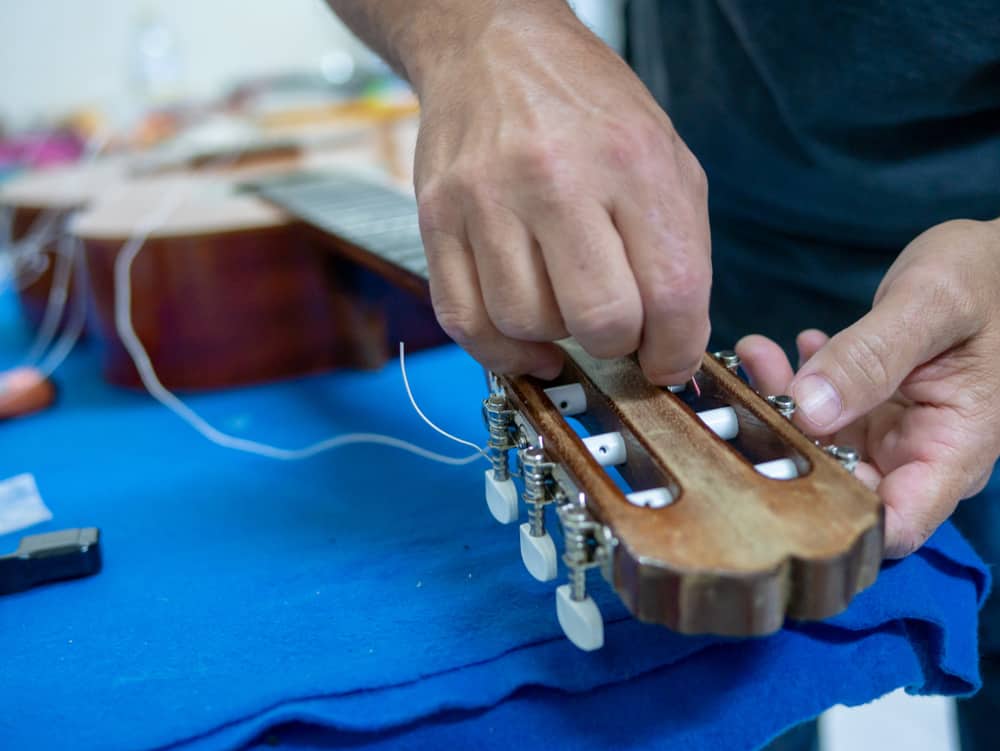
{"type": "Point", "coordinates": [366, 596]}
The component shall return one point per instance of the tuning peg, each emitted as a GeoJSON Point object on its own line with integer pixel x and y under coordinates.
{"type": "Point", "coordinates": [607, 448]}
{"type": "Point", "coordinates": [722, 421]}
{"type": "Point", "coordinates": [501, 498]}
{"type": "Point", "coordinates": [570, 399]}
{"type": "Point", "coordinates": [847, 456]}
{"type": "Point", "coordinates": [778, 469]}
{"type": "Point", "coordinates": [580, 620]}
{"type": "Point", "coordinates": [729, 359]}
{"type": "Point", "coordinates": [652, 498]}
{"type": "Point", "coordinates": [538, 553]}
{"type": "Point", "coordinates": [783, 403]}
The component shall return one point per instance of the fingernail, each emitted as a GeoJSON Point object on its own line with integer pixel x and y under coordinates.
{"type": "Point", "coordinates": [817, 400]}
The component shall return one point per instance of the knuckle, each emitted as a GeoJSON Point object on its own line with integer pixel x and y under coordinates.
{"type": "Point", "coordinates": [544, 167]}
{"type": "Point", "coordinates": [524, 313]}
{"type": "Point", "coordinates": [469, 182]}
{"type": "Point", "coordinates": [866, 359]}
{"type": "Point", "coordinates": [696, 176]}
{"type": "Point", "coordinates": [464, 326]}
{"type": "Point", "coordinates": [677, 286]}
{"type": "Point", "coordinates": [947, 292]}
{"type": "Point", "coordinates": [635, 143]}
{"type": "Point", "coordinates": [434, 210]}
{"type": "Point", "coordinates": [516, 322]}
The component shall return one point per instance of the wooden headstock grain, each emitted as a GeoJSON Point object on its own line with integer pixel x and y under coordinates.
{"type": "Point", "coordinates": [737, 551]}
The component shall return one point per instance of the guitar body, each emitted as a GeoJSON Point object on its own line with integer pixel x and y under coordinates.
{"type": "Point", "coordinates": [234, 307]}
{"type": "Point", "coordinates": [40, 203]}
{"type": "Point", "coordinates": [34, 275]}
{"type": "Point", "coordinates": [227, 290]}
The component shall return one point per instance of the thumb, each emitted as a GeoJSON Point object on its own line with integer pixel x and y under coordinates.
{"type": "Point", "coordinates": [863, 365]}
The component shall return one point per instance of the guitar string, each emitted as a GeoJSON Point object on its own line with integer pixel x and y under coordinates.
{"type": "Point", "coordinates": [56, 302]}
{"type": "Point", "coordinates": [44, 229]}
{"type": "Point", "coordinates": [420, 412]}
{"type": "Point", "coordinates": [147, 374]}
{"type": "Point", "coordinates": [6, 257]}
{"type": "Point", "coordinates": [78, 317]}
{"type": "Point", "coordinates": [34, 237]}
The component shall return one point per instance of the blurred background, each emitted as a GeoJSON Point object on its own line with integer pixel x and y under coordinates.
{"type": "Point", "coordinates": [139, 67]}
{"type": "Point", "coordinates": [117, 57]}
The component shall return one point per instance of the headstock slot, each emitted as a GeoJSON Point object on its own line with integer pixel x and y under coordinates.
{"type": "Point", "coordinates": [641, 470]}
{"type": "Point", "coordinates": [757, 441]}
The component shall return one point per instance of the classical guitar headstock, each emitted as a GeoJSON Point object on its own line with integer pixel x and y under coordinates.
{"type": "Point", "coordinates": [724, 518]}
{"type": "Point", "coordinates": [708, 512]}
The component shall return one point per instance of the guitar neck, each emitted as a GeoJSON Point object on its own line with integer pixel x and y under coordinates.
{"type": "Point", "coordinates": [374, 224]}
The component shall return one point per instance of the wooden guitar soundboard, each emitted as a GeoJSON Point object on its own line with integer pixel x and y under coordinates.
{"type": "Point", "coordinates": [719, 517]}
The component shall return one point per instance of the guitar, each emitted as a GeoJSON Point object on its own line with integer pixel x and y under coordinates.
{"type": "Point", "coordinates": [706, 509]}
{"type": "Point", "coordinates": [227, 290]}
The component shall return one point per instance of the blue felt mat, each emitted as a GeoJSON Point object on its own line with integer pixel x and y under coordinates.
{"type": "Point", "coordinates": [365, 595]}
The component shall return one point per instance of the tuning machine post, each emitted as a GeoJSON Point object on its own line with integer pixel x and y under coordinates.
{"type": "Point", "coordinates": [588, 544]}
{"type": "Point", "coordinates": [501, 493]}
{"type": "Point", "coordinates": [729, 359]}
{"type": "Point", "coordinates": [846, 455]}
{"type": "Point", "coordinates": [538, 551]}
{"type": "Point", "coordinates": [784, 404]}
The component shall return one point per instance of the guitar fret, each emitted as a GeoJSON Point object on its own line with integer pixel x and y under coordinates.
{"type": "Point", "coordinates": [368, 215]}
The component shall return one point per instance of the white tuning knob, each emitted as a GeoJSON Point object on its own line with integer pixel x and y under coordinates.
{"type": "Point", "coordinates": [539, 554]}
{"type": "Point", "coordinates": [652, 498]}
{"type": "Point", "coordinates": [570, 399]}
{"type": "Point", "coordinates": [607, 448]}
{"type": "Point", "coordinates": [501, 498]}
{"type": "Point", "coordinates": [722, 422]}
{"type": "Point", "coordinates": [778, 469]}
{"type": "Point", "coordinates": [581, 620]}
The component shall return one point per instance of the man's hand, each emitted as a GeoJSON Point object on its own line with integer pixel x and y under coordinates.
{"type": "Point", "coordinates": [914, 385]}
{"type": "Point", "coordinates": [555, 197]}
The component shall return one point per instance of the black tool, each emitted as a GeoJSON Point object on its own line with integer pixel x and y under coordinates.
{"type": "Point", "coordinates": [54, 556]}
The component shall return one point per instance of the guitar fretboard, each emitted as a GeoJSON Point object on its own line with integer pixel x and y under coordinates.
{"type": "Point", "coordinates": [366, 214]}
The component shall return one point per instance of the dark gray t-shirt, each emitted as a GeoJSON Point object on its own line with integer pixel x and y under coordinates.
{"type": "Point", "coordinates": [832, 132]}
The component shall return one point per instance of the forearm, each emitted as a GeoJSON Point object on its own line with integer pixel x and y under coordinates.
{"type": "Point", "coordinates": [419, 37]}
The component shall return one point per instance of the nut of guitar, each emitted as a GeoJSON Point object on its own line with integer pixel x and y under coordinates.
{"type": "Point", "coordinates": [727, 519]}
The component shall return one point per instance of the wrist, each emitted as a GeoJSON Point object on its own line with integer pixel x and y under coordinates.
{"type": "Point", "coordinates": [432, 48]}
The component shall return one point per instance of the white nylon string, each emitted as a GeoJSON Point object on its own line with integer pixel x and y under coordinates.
{"type": "Point", "coordinates": [27, 255]}
{"type": "Point", "coordinates": [126, 332]}
{"type": "Point", "coordinates": [47, 225]}
{"type": "Point", "coordinates": [56, 303]}
{"type": "Point", "coordinates": [420, 412]}
{"type": "Point", "coordinates": [78, 316]}
{"type": "Point", "coordinates": [6, 251]}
